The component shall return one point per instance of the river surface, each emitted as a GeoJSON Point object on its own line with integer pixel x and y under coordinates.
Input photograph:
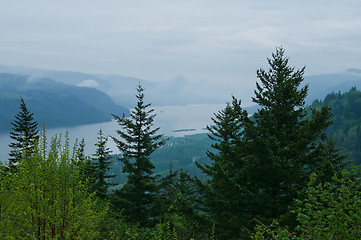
{"type": "Point", "coordinates": [174, 121]}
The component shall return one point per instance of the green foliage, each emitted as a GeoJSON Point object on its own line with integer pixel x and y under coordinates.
{"type": "Point", "coordinates": [115, 227]}
{"type": "Point", "coordinates": [255, 170]}
{"type": "Point", "coordinates": [176, 206]}
{"type": "Point", "coordinates": [178, 152]}
{"type": "Point", "coordinates": [225, 194]}
{"type": "Point", "coordinates": [329, 210]}
{"type": "Point", "coordinates": [45, 198]}
{"type": "Point", "coordinates": [84, 164]}
{"type": "Point", "coordinates": [24, 134]}
{"type": "Point", "coordinates": [346, 116]}
{"type": "Point", "coordinates": [332, 209]}
{"type": "Point", "coordinates": [264, 163]}
{"type": "Point", "coordinates": [182, 153]}
{"type": "Point", "coordinates": [284, 146]}
{"type": "Point", "coordinates": [138, 140]}
{"type": "Point", "coordinates": [101, 164]}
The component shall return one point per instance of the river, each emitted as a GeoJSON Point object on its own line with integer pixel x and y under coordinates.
{"type": "Point", "coordinates": [174, 121]}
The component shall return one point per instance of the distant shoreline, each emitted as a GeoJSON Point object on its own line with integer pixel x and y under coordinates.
{"type": "Point", "coordinates": [185, 130]}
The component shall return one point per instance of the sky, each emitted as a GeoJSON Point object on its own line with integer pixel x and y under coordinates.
{"type": "Point", "coordinates": [205, 41]}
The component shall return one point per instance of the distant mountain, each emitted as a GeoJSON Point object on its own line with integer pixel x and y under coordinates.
{"type": "Point", "coordinates": [323, 84]}
{"type": "Point", "coordinates": [56, 104]}
{"type": "Point", "coordinates": [179, 90]}
{"type": "Point", "coordinates": [176, 91]}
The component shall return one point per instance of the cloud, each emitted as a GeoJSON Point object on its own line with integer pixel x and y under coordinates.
{"type": "Point", "coordinates": [88, 83]}
{"type": "Point", "coordinates": [205, 39]}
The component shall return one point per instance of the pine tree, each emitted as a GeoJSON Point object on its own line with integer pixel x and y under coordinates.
{"type": "Point", "coordinates": [262, 163]}
{"type": "Point", "coordinates": [285, 146]}
{"type": "Point", "coordinates": [177, 195]}
{"type": "Point", "coordinates": [24, 133]}
{"type": "Point", "coordinates": [138, 140]}
{"type": "Point", "coordinates": [176, 206]}
{"type": "Point", "coordinates": [101, 164]}
{"type": "Point", "coordinates": [225, 195]}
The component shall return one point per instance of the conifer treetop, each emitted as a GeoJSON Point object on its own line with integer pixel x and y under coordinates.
{"type": "Point", "coordinates": [24, 133]}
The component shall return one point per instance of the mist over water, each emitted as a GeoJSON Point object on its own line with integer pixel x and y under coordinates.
{"type": "Point", "coordinates": [175, 121]}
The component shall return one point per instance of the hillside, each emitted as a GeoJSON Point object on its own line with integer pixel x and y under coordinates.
{"type": "Point", "coordinates": [179, 90]}
{"type": "Point", "coordinates": [56, 104]}
{"type": "Point", "coordinates": [178, 153]}
{"type": "Point", "coordinates": [346, 128]}
{"type": "Point", "coordinates": [176, 91]}
{"type": "Point", "coordinates": [323, 84]}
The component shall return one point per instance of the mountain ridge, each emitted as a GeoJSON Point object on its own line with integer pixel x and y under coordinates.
{"type": "Point", "coordinates": [178, 90]}
{"type": "Point", "coordinates": [53, 103]}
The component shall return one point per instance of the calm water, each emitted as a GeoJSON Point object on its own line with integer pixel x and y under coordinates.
{"type": "Point", "coordinates": [169, 119]}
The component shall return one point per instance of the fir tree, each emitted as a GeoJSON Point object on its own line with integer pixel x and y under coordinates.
{"type": "Point", "coordinates": [176, 205]}
{"type": "Point", "coordinates": [177, 195]}
{"type": "Point", "coordinates": [84, 164]}
{"type": "Point", "coordinates": [262, 163]}
{"type": "Point", "coordinates": [225, 195]}
{"type": "Point", "coordinates": [101, 164]}
{"type": "Point", "coordinates": [81, 151]}
{"type": "Point", "coordinates": [286, 147]}
{"type": "Point", "coordinates": [24, 134]}
{"type": "Point", "coordinates": [138, 140]}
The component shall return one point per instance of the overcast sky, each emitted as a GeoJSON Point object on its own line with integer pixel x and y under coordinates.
{"type": "Point", "coordinates": [203, 40]}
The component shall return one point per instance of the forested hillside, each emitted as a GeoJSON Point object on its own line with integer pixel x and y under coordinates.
{"type": "Point", "coordinates": [53, 103]}
{"type": "Point", "coordinates": [178, 153]}
{"type": "Point", "coordinates": [346, 116]}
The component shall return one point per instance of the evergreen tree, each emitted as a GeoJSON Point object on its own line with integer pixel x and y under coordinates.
{"type": "Point", "coordinates": [24, 134]}
{"type": "Point", "coordinates": [101, 164]}
{"type": "Point", "coordinates": [137, 142]}
{"type": "Point", "coordinates": [262, 163]}
{"type": "Point", "coordinates": [81, 151]}
{"type": "Point", "coordinates": [84, 164]}
{"type": "Point", "coordinates": [177, 195]}
{"type": "Point", "coordinates": [225, 194]}
{"type": "Point", "coordinates": [285, 147]}
{"type": "Point", "coordinates": [176, 206]}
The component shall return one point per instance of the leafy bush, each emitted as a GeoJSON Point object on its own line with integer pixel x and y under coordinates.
{"type": "Point", "coordinates": [328, 211]}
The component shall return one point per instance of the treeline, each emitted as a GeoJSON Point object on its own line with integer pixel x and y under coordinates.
{"type": "Point", "coordinates": [346, 127]}
{"type": "Point", "coordinates": [276, 175]}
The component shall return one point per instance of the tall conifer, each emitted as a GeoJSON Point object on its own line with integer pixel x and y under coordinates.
{"type": "Point", "coordinates": [285, 146]}
{"type": "Point", "coordinates": [262, 163]}
{"type": "Point", "coordinates": [225, 194]}
{"type": "Point", "coordinates": [138, 140]}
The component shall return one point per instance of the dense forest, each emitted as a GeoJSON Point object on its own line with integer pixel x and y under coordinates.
{"type": "Point", "coordinates": [346, 127]}
{"type": "Point", "coordinates": [275, 175]}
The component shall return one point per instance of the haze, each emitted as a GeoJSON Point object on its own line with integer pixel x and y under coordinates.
{"type": "Point", "coordinates": [207, 42]}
